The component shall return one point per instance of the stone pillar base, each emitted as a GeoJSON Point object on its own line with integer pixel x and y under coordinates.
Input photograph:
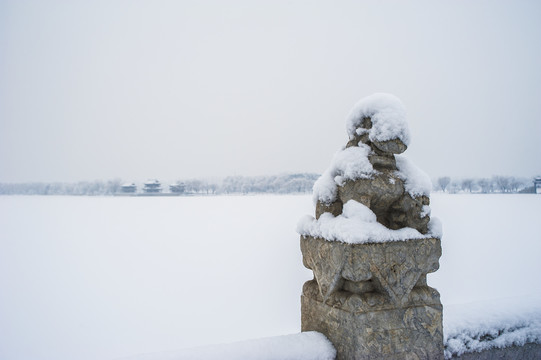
{"type": "Point", "coordinates": [372, 300]}
{"type": "Point", "coordinates": [407, 333]}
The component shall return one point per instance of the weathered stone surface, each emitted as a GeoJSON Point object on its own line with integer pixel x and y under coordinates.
{"type": "Point", "coordinates": [378, 193]}
{"type": "Point", "coordinates": [386, 271]}
{"type": "Point", "coordinates": [334, 208]}
{"type": "Point", "coordinates": [407, 211]}
{"type": "Point", "coordinates": [372, 300]}
{"type": "Point", "coordinates": [384, 194]}
{"type": "Point", "coordinates": [394, 146]}
{"type": "Point", "coordinates": [381, 162]}
{"type": "Point", "coordinates": [403, 333]}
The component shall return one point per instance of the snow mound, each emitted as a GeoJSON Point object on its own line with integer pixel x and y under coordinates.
{"type": "Point", "coordinates": [347, 164]}
{"type": "Point", "coordinates": [498, 323]}
{"type": "Point", "coordinates": [309, 345]}
{"type": "Point", "coordinates": [388, 117]}
{"type": "Point", "coordinates": [357, 224]}
{"type": "Point", "coordinates": [416, 181]}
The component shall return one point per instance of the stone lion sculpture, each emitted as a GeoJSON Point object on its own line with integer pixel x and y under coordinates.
{"type": "Point", "coordinates": [366, 169]}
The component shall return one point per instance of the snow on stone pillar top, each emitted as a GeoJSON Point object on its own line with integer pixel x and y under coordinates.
{"type": "Point", "coordinates": [369, 194]}
{"type": "Point", "coordinates": [379, 120]}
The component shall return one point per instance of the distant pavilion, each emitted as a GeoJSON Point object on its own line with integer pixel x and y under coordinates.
{"type": "Point", "coordinates": [128, 188]}
{"type": "Point", "coordinates": [152, 186]}
{"type": "Point", "coordinates": [537, 184]}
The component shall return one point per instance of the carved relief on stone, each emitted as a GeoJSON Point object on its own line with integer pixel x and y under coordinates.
{"type": "Point", "coordinates": [370, 277]}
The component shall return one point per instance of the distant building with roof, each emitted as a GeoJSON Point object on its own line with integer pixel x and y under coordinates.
{"type": "Point", "coordinates": [177, 188]}
{"type": "Point", "coordinates": [537, 184]}
{"type": "Point", "coordinates": [128, 188]}
{"type": "Point", "coordinates": [152, 187]}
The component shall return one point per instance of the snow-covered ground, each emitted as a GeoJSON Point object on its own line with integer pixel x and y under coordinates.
{"type": "Point", "coordinates": [309, 345]}
{"type": "Point", "coordinates": [108, 277]}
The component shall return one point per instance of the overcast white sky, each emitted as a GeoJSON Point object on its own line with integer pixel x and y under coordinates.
{"type": "Point", "coordinates": [178, 89]}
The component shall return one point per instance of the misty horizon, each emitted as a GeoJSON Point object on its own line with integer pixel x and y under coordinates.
{"type": "Point", "coordinates": [133, 90]}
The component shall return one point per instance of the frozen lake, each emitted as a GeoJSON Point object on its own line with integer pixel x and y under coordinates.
{"type": "Point", "coordinates": [106, 277]}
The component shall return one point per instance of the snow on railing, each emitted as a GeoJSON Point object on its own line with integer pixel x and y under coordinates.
{"type": "Point", "coordinates": [497, 323]}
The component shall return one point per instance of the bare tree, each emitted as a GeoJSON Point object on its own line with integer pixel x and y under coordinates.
{"type": "Point", "coordinates": [486, 185]}
{"type": "Point", "coordinates": [443, 182]}
{"type": "Point", "coordinates": [502, 183]}
{"type": "Point", "coordinates": [517, 184]}
{"type": "Point", "coordinates": [467, 185]}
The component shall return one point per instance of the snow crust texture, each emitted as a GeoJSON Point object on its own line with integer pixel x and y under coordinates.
{"type": "Point", "coordinates": [498, 323]}
{"type": "Point", "coordinates": [309, 345]}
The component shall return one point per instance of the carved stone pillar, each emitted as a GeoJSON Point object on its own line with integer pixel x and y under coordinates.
{"type": "Point", "coordinates": [372, 244]}
{"type": "Point", "coordinates": [371, 300]}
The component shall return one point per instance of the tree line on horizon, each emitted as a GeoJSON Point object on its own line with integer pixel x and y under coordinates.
{"type": "Point", "coordinates": [277, 184]}
{"type": "Point", "coordinates": [494, 184]}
